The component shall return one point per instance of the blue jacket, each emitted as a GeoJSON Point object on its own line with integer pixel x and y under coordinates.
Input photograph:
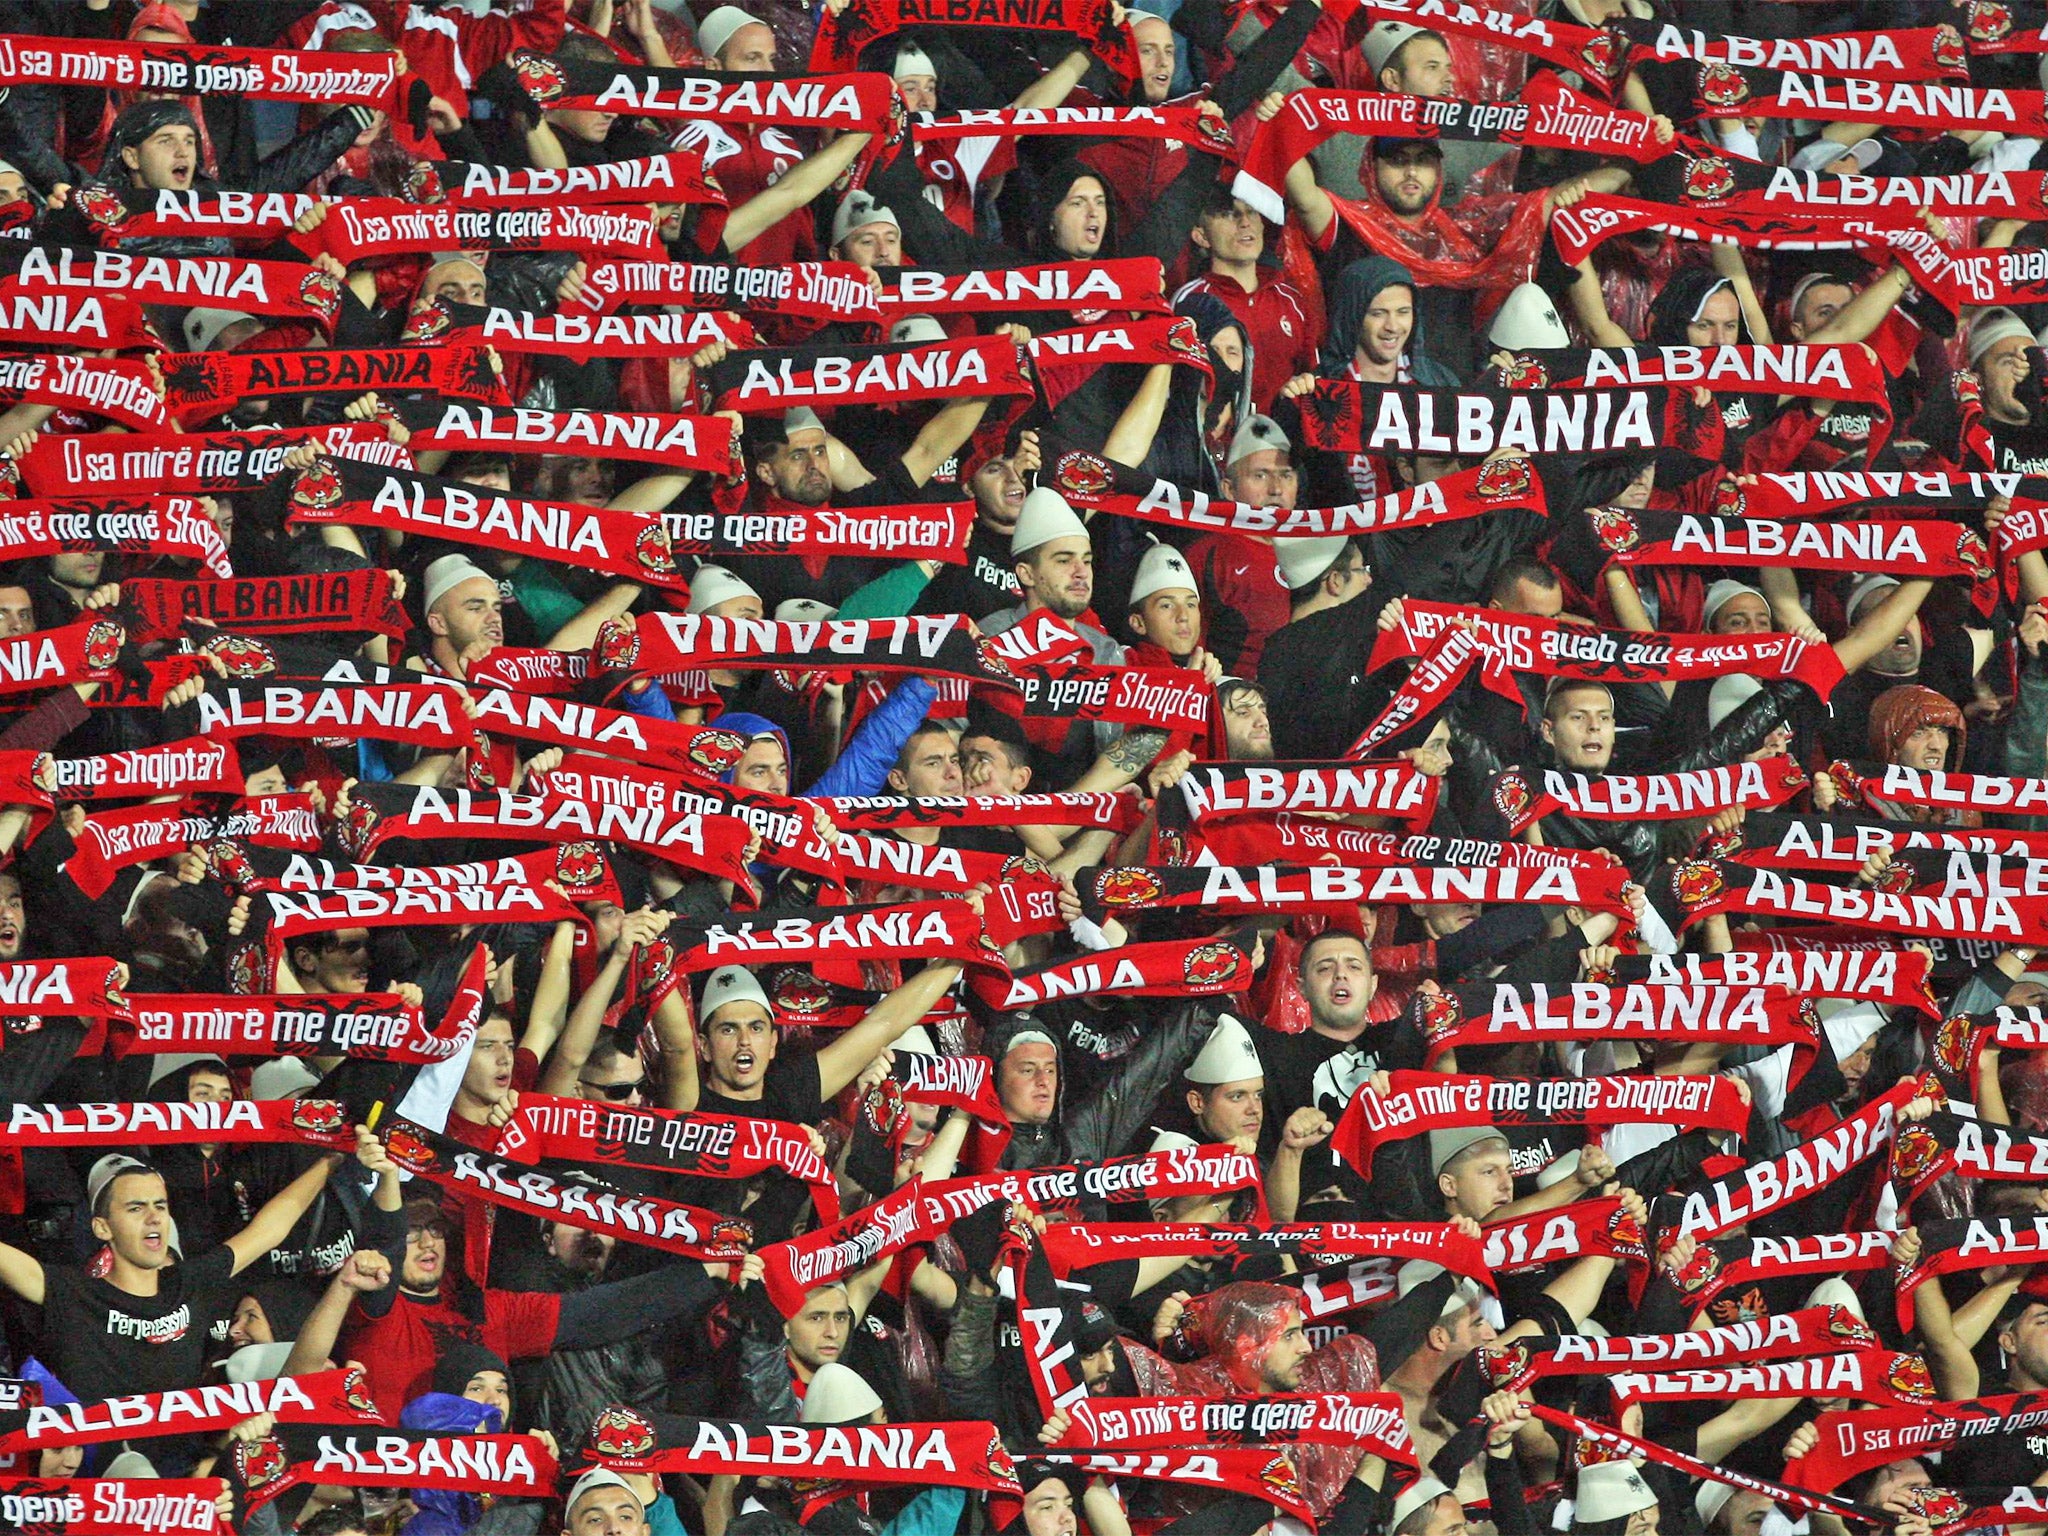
{"type": "Point", "coordinates": [443, 1511]}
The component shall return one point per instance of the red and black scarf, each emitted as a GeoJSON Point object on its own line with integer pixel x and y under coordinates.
{"type": "Point", "coordinates": [811, 290]}
{"type": "Point", "coordinates": [367, 1026]}
{"type": "Point", "coordinates": [192, 69]}
{"type": "Point", "coordinates": [1131, 283]}
{"type": "Point", "coordinates": [1168, 968]}
{"type": "Point", "coordinates": [199, 385]}
{"type": "Point", "coordinates": [1345, 416]}
{"type": "Point", "coordinates": [341, 602]}
{"type": "Point", "coordinates": [1506, 1013]}
{"type": "Point", "coordinates": [1228, 890]}
{"type": "Point", "coordinates": [124, 524]}
{"type": "Point", "coordinates": [645, 437]}
{"type": "Point", "coordinates": [769, 380]}
{"type": "Point", "coordinates": [140, 464]}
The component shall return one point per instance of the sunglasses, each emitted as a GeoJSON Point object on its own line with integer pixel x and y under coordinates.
{"type": "Point", "coordinates": [618, 1093]}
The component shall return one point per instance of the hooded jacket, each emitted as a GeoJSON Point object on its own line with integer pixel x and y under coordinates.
{"type": "Point", "coordinates": [1102, 1122]}
{"type": "Point", "coordinates": [445, 1511]}
{"type": "Point", "coordinates": [1348, 300]}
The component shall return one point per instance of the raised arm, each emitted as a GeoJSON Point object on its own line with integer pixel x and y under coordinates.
{"type": "Point", "coordinates": [274, 1223]}
{"type": "Point", "coordinates": [840, 1062]}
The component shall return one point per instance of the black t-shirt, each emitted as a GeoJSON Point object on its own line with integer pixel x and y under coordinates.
{"type": "Point", "coordinates": [103, 1342]}
{"type": "Point", "coordinates": [985, 584]}
{"type": "Point", "coordinates": [791, 1091]}
{"type": "Point", "coordinates": [1947, 663]}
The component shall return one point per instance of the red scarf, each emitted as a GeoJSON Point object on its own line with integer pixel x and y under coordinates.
{"type": "Point", "coordinates": [366, 1026]}
{"type": "Point", "coordinates": [646, 437]}
{"type": "Point", "coordinates": [1346, 416]}
{"type": "Point", "coordinates": [1169, 968]}
{"type": "Point", "coordinates": [1090, 480]}
{"type": "Point", "coordinates": [811, 290]}
{"type": "Point", "coordinates": [1394, 789]}
{"type": "Point", "coordinates": [1065, 360]}
{"type": "Point", "coordinates": [1504, 1013]}
{"type": "Point", "coordinates": [1907, 53]}
{"type": "Point", "coordinates": [769, 380]}
{"type": "Point", "coordinates": [1868, 1375]}
{"type": "Point", "coordinates": [176, 69]}
{"type": "Point", "coordinates": [956, 1453]}
{"type": "Point", "coordinates": [1072, 1245]}
{"type": "Point", "coordinates": [624, 543]}
{"type": "Point", "coordinates": [1583, 1229]}
{"type": "Point", "coordinates": [507, 1466]}
{"type": "Point", "coordinates": [1599, 55]}
{"type": "Point", "coordinates": [1552, 648]}
{"type": "Point", "coordinates": [120, 389]}
{"type": "Point", "coordinates": [1132, 283]}
{"type": "Point", "coordinates": [1429, 1101]}
{"type": "Point", "coordinates": [699, 751]}
{"type": "Point", "coordinates": [1857, 1440]}
{"type": "Point", "coordinates": [364, 228]}
{"type": "Point", "coordinates": [1185, 124]}
{"type": "Point", "coordinates": [1665, 796]}
{"type": "Point", "coordinates": [677, 176]}
{"type": "Point", "coordinates": [1987, 905]}
{"type": "Point", "coordinates": [345, 602]}
{"type": "Point", "coordinates": [83, 987]}
{"type": "Point", "coordinates": [1725, 92]}
{"type": "Point", "coordinates": [113, 840]}
{"type": "Point", "coordinates": [1549, 115]}
{"type": "Point", "coordinates": [847, 103]}
{"type": "Point", "coordinates": [139, 464]}
{"type": "Point", "coordinates": [148, 1122]}
{"type": "Point", "coordinates": [199, 385]}
{"type": "Point", "coordinates": [1226, 890]}
{"type": "Point", "coordinates": [1894, 977]}
{"type": "Point", "coordinates": [1372, 1419]}
{"type": "Point", "coordinates": [319, 1397]}
{"type": "Point", "coordinates": [676, 642]}
{"type": "Point", "coordinates": [843, 34]}
{"type": "Point", "coordinates": [1113, 810]}
{"type": "Point", "coordinates": [193, 765]}
{"type": "Point", "coordinates": [424, 714]}
{"type": "Point", "coordinates": [1511, 1367]}
{"type": "Point", "coordinates": [788, 827]}
{"type": "Point", "coordinates": [100, 322]}
{"type": "Point", "coordinates": [1932, 550]}
{"type": "Point", "coordinates": [160, 525]}
{"type": "Point", "coordinates": [643, 333]}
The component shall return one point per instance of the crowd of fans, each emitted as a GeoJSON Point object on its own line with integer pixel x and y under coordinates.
{"type": "Point", "coordinates": [1376, 1248]}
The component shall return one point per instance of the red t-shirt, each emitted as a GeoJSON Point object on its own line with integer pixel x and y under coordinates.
{"type": "Point", "coordinates": [1241, 574]}
{"type": "Point", "coordinates": [398, 1350]}
{"type": "Point", "coordinates": [749, 161]}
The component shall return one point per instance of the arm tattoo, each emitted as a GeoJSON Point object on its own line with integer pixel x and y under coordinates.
{"type": "Point", "coordinates": [1130, 752]}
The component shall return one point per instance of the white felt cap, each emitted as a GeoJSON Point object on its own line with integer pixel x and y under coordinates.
{"type": "Point", "coordinates": [449, 572]}
{"type": "Point", "coordinates": [716, 30]}
{"type": "Point", "coordinates": [857, 210]}
{"type": "Point", "coordinates": [912, 60]}
{"type": "Point", "coordinates": [597, 1477]}
{"type": "Point", "coordinates": [1227, 1057]}
{"type": "Point", "coordinates": [802, 610]}
{"type": "Point", "coordinates": [1045, 517]}
{"type": "Point", "coordinates": [732, 984]}
{"type": "Point", "coordinates": [1171, 1141]}
{"type": "Point", "coordinates": [1994, 325]}
{"type": "Point", "coordinates": [282, 1078]}
{"type": "Point", "coordinates": [1712, 1497]}
{"type": "Point", "coordinates": [1527, 322]}
{"type": "Point", "coordinates": [177, 1061]}
{"type": "Point", "coordinates": [1610, 1489]}
{"type": "Point", "coordinates": [1383, 41]}
{"type": "Point", "coordinates": [1728, 695]}
{"type": "Point", "coordinates": [917, 329]}
{"type": "Point", "coordinates": [1836, 1292]}
{"type": "Point", "coordinates": [1419, 1494]}
{"type": "Point", "coordinates": [203, 326]}
{"type": "Point", "coordinates": [1719, 593]}
{"type": "Point", "coordinates": [1869, 589]}
{"type": "Point", "coordinates": [918, 1041]}
{"type": "Point", "coordinates": [131, 1464]}
{"type": "Point", "coordinates": [1258, 432]}
{"type": "Point", "coordinates": [714, 584]}
{"type": "Point", "coordinates": [837, 1395]}
{"type": "Point", "coordinates": [1164, 569]}
{"type": "Point", "coordinates": [1304, 562]}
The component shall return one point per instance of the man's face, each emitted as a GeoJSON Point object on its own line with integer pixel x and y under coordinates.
{"type": "Point", "coordinates": [740, 1038]}
{"type": "Point", "coordinates": [426, 1256]}
{"type": "Point", "coordinates": [873, 245]}
{"type": "Point", "coordinates": [137, 1225]}
{"type": "Point", "coordinates": [1459, 1335]}
{"type": "Point", "coordinates": [763, 766]}
{"type": "Point", "coordinates": [1060, 575]}
{"type": "Point", "coordinates": [1407, 178]}
{"type": "Point", "coordinates": [1743, 1514]}
{"type": "Point", "coordinates": [1081, 220]}
{"type": "Point", "coordinates": [1643, 1522]}
{"type": "Point", "coordinates": [578, 1249]}
{"type": "Point", "coordinates": [1817, 306]}
{"type": "Point", "coordinates": [1478, 1181]}
{"type": "Point", "coordinates": [607, 1512]}
{"type": "Point", "coordinates": [1247, 728]}
{"type": "Point", "coordinates": [920, 93]}
{"type": "Point", "coordinates": [1389, 322]}
{"type": "Point", "coordinates": [1266, 478]}
{"type": "Point", "coordinates": [817, 1334]}
{"type": "Point", "coordinates": [166, 161]}
{"type": "Point", "coordinates": [1049, 1510]}
{"type": "Point", "coordinates": [1926, 747]}
{"type": "Point", "coordinates": [999, 493]}
{"type": "Point", "coordinates": [1434, 756]}
{"type": "Point", "coordinates": [1337, 980]}
{"type": "Point", "coordinates": [493, 1390]}
{"type": "Point", "coordinates": [1028, 1082]}
{"type": "Point", "coordinates": [459, 282]}
{"type": "Point", "coordinates": [1897, 1476]}
{"type": "Point", "coordinates": [1171, 620]}
{"type": "Point", "coordinates": [797, 469]}
{"type": "Point", "coordinates": [1579, 725]}
{"type": "Point", "coordinates": [749, 51]}
{"type": "Point", "coordinates": [1638, 491]}
{"type": "Point", "coordinates": [469, 613]}
{"type": "Point", "coordinates": [1280, 1371]}
{"type": "Point", "coordinates": [584, 126]}
{"type": "Point", "coordinates": [249, 1325]}
{"type": "Point", "coordinates": [1720, 321]}
{"type": "Point", "coordinates": [933, 768]}
{"type": "Point", "coordinates": [1420, 67]}
{"type": "Point", "coordinates": [1156, 52]}
{"type": "Point", "coordinates": [1446, 1517]}
{"type": "Point", "coordinates": [985, 767]}
{"type": "Point", "coordinates": [1230, 1111]}
{"type": "Point", "coordinates": [266, 781]}
{"type": "Point", "coordinates": [13, 918]}
{"type": "Point", "coordinates": [2003, 368]}
{"type": "Point", "coordinates": [622, 1081]}
{"type": "Point", "coordinates": [206, 1086]}
{"type": "Point", "coordinates": [342, 963]}
{"type": "Point", "coordinates": [1236, 234]}
{"type": "Point", "coordinates": [13, 187]}
{"type": "Point", "coordinates": [79, 571]}
{"type": "Point", "coordinates": [488, 1077]}
{"type": "Point", "coordinates": [17, 612]}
